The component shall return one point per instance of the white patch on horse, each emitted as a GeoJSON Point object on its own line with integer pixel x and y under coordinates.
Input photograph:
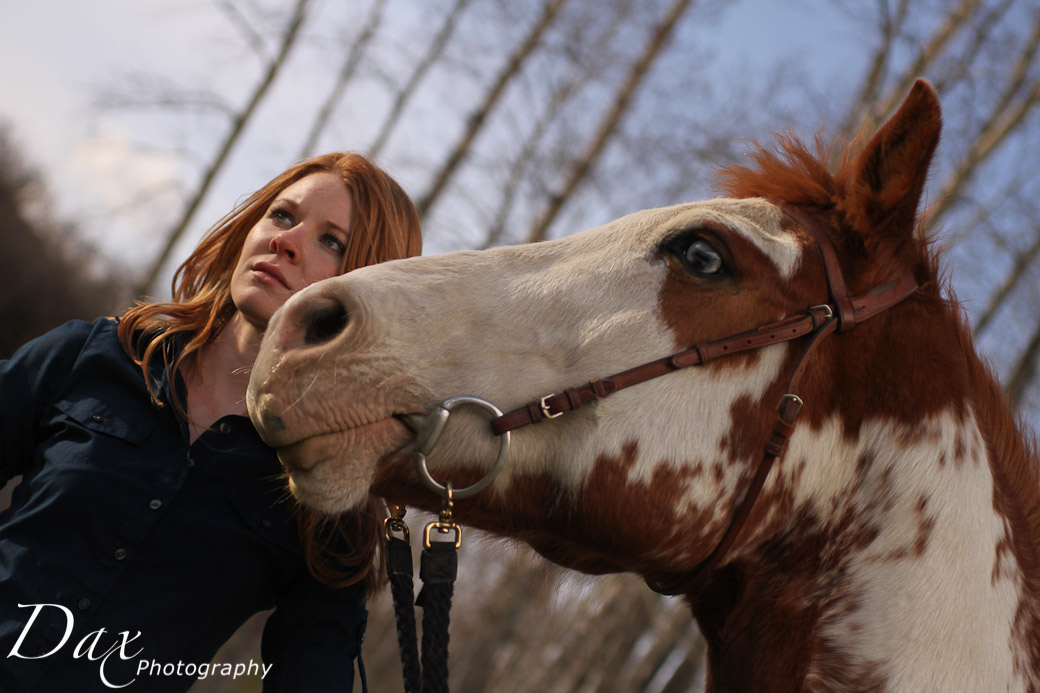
{"type": "Point", "coordinates": [904, 602]}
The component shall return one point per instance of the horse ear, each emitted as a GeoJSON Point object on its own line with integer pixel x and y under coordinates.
{"type": "Point", "coordinates": [889, 175]}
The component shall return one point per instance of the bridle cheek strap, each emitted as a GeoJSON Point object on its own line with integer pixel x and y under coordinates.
{"type": "Point", "coordinates": [841, 314]}
{"type": "Point", "coordinates": [787, 414]}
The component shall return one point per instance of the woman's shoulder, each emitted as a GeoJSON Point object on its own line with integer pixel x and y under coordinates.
{"type": "Point", "coordinates": [65, 341]}
{"type": "Point", "coordinates": [45, 366]}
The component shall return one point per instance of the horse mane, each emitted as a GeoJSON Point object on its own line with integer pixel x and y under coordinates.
{"type": "Point", "coordinates": [1014, 450]}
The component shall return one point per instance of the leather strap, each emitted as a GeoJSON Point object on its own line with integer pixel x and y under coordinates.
{"type": "Point", "coordinates": [554, 404]}
{"type": "Point", "coordinates": [787, 414]}
{"type": "Point", "coordinates": [835, 279]}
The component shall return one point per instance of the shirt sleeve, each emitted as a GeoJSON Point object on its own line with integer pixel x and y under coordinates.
{"type": "Point", "coordinates": [313, 638]}
{"type": "Point", "coordinates": [29, 382]}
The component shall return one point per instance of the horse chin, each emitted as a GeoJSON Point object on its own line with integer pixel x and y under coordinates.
{"type": "Point", "coordinates": [325, 497]}
{"type": "Point", "coordinates": [333, 472]}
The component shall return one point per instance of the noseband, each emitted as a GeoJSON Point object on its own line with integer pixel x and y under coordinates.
{"type": "Point", "coordinates": [840, 314]}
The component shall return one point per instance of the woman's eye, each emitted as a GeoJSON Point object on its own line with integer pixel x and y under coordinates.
{"type": "Point", "coordinates": [702, 258]}
{"type": "Point", "coordinates": [334, 244]}
{"type": "Point", "coordinates": [283, 218]}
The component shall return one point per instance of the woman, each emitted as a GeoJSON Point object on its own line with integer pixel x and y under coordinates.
{"type": "Point", "coordinates": [151, 521]}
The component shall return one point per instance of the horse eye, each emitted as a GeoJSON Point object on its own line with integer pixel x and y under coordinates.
{"type": "Point", "coordinates": [702, 258]}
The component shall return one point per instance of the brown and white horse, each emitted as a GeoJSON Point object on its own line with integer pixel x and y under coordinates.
{"type": "Point", "coordinates": [892, 547]}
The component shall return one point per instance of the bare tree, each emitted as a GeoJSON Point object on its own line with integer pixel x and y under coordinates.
{"type": "Point", "coordinates": [608, 125]}
{"type": "Point", "coordinates": [1024, 371]}
{"type": "Point", "coordinates": [424, 65]}
{"type": "Point", "coordinates": [555, 103]}
{"type": "Point", "coordinates": [238, 124]}
{"type": "Point", "coordinates": [346, 72]}
{"type": "Point", "coordinates": [476, 121]}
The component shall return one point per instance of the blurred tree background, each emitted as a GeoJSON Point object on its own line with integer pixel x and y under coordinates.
{"type": "Point", "coordinates": [50, 275]}
{"type": "Point", "coordinates": [519, 120]}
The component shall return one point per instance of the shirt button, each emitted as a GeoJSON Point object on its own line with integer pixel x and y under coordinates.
{"type": "Point", "coordinates": [97, 418]}
{"type": "Point", "coordinates": [225, 427]}
{"type": "Point", "coordinates": [83, 604]}
{"type": "Point", "coordinates": [266, 523]}
{"type": "Point", "coordinates": [120, 554]}
{"type": "Point", "coordinates": [155, 504]}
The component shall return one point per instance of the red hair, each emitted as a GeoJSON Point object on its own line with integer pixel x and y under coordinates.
{"type": "Point", "coordinates": [385, 226]}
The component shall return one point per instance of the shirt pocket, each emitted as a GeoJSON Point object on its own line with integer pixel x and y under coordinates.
{"type": "Point", "coordinates": [132, 422]}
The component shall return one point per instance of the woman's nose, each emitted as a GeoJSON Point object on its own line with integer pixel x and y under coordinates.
{"type": "Point", "coordinates": [287, 243]}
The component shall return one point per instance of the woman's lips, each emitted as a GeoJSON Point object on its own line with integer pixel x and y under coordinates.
{"type": "Point", "coordinates": [270, 274]}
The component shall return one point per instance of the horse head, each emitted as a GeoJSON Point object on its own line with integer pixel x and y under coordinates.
{"type": "Point", "coordinates": [893, 486]}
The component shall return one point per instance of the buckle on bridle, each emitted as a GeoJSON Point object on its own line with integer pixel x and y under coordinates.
{"type": "Point", "coordinates": [828, 311]}
{"type": "Point", "coordinates": [789, 407]}
{"type": "Point", "coordinates": [544, 402]}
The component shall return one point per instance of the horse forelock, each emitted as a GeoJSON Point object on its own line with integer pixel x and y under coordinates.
{"type": "Point", "coordinates": [792, 172]}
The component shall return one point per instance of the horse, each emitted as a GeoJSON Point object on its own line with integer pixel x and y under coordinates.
{"type": "Point", "coordinates": [838, 489]}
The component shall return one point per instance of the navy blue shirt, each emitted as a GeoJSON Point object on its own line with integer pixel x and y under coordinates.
{"type": "Point", "coordinates": [132, 548]}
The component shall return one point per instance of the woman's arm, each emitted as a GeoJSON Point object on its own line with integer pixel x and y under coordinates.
{"type": "Point", "coordinates": [313, 638]}
{"type": "Point", "coordinates": [29, 382]}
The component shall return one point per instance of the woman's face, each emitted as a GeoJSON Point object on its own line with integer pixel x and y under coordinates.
{"type": "Point", "coordinates": [301, 239]}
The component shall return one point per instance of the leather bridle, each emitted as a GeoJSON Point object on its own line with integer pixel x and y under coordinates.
{"type": "Point", "coordinates": [840, 314]}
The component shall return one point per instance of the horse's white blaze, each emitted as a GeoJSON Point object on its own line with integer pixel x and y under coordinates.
{"type": "Point", "coordinates": [905, 597]}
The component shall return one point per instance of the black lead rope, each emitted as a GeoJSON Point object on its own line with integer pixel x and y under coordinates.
{"type": "Point", "coordinates": [399, 571]}
{"type": "Point", "coordinates": [439, 565]}
{"type": "Point", "coordinates": [438, 570]}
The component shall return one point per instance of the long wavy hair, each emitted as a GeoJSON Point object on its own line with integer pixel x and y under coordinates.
{"type": "Point", "coordinates": [385, 226]}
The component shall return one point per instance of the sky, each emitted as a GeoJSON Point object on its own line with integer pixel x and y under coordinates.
{"type": "Point", "coordinates": [59, 57]}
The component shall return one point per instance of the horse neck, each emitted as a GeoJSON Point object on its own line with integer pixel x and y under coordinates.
{"type": "Point", "coordinates": [909, 561]}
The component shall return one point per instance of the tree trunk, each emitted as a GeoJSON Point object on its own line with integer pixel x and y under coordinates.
{"type": "Point", "coordinates": [580, 169]}
{"type": "Point", "coordinates": [476, 122]}
{"type": "Point", "coordinates": [346, 73]}
{"type": "Point", "coordinates": [237, 127]}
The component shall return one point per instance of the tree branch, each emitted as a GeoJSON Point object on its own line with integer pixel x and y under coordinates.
{"type": "Point", "coordinates": [1024, 372]}
{"type": "Point", "coordinates": [346, 73]}
{"type": "Point", "coordinates": [476, 121]}
{"type": "Point", "coordinates": [409, 88]}
{"type": "Point", "coordinates": [237, 127]}
{"type": "Point", "coordinates": [623, 100]}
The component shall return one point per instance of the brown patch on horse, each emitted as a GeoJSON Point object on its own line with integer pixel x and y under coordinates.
{"type": "Point", "coordinates": [698, 311]}
{"type": "Point", "coordinates": [594, 528]}
{"type": "Point", "coordinates": [763, 613]}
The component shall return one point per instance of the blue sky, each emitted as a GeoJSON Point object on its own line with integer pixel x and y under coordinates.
{"type": "Point", "coordinates": [58, 56]}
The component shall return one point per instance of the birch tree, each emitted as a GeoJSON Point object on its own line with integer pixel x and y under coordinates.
{"type": "Point", "coordinates": [237, 126]}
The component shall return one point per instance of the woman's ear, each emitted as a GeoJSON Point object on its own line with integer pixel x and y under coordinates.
{"type": "Point", "coordinates": [888, 176]}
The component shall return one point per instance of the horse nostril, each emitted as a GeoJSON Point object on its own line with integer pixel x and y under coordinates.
{"type": "Point", "coordinates": [325, 324]}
